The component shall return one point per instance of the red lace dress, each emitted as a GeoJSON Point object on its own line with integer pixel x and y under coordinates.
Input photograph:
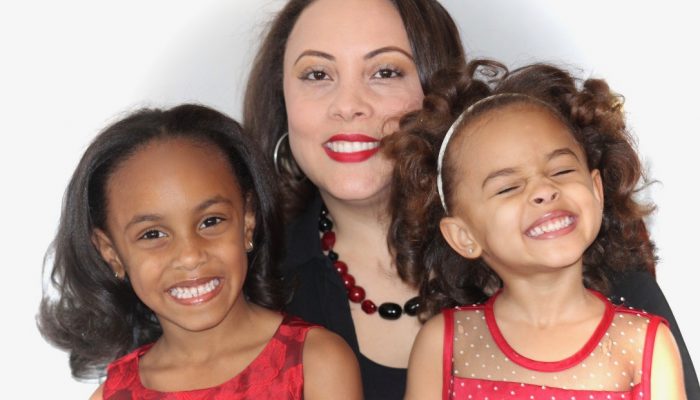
{"type": "Point", "coordinates": [614, 364]}
{"type": "Point", "coordinates": [276, 373]}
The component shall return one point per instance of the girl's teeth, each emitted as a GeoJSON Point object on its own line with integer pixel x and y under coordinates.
{"type": "Point", "coordinates": [551, 226]}
{"type": "Point", "coordinates": [190, 292]}
{"type": "Point", "coordinates": [351, 147]}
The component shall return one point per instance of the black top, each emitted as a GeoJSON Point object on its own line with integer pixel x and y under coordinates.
{"type": "Point", "coordinates": [319, 297]}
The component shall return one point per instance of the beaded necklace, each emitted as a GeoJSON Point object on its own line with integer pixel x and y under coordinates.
{"type": "Point", "coordinates": [356, 294]}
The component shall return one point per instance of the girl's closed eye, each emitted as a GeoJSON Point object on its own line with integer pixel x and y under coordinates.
{"type": "Point", "coordinates": [507, 189]}
{"type": "Point", "coordinates": [564, 171]}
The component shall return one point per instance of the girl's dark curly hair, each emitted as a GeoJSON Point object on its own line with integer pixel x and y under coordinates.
{"type": "Point", "coordinates": [97, 317]}
{"type": "Point", "coordinates": [594, 116]}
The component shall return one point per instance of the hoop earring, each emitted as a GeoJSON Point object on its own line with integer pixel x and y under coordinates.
{"type": "Point", "coordinates": [286, 165]}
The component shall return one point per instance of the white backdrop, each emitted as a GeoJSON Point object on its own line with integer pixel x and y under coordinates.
{"type": "Point", "coordinates": [68, 68]}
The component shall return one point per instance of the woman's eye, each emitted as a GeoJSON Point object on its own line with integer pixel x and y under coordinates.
{"type": "Point", "coordinates": [386, 73]}
{"type": "Point", "coordinates": [211, 221]}
{"type": "Point", "coordinates": [152, 234]}
{"type": "Point", "coordinates": [315, 75]}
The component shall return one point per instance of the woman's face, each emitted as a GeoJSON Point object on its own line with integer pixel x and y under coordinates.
{"type": "Point", "coordinates": [348, 77]}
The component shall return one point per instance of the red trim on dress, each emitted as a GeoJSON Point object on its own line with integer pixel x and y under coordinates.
{"type": "Point", "coordinates": [449, 315]}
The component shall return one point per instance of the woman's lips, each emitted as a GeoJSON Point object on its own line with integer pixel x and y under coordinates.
{"type": "Point", "coordinates": [552, 225]}
{"type": "Point", "coordinates": [351, 147]}
{"type": "Point", "coordinates": [195, 291]}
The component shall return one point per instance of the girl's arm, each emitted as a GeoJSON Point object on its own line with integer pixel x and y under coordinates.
{"type": "Point", "coordinates": [330, 368]}
{"type": "Point", "coordinates": [666, 368]}
{"type": "Point", "coordinates": [425, 365]}
{"type": "Point", "coordinates": [640, 290]}
{"type": "Point", "coordinates": [98, 393]}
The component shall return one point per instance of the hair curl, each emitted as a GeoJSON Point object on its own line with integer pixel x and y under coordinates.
{"type": "Point", "coordinates": [595, 118]}
{"type": "Point", "coordinates": [435, 43]}
{"type": "Point", "coordinates": [97, 317]}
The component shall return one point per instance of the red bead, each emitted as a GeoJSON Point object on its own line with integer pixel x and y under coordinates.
{"type": "Point", "coordinates": [348, 281]}
{"type": "Point", "coordinates": [327, 240]}
{"type": "Point", "coordinates": [356, 294]}
{"type": "Point", "coordinates": [341, 267]}
{"type": "Point", "coordinates": [369, 307]}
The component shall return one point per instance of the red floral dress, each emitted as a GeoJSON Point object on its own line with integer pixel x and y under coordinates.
{"type": "Point", "coordinates": [614, 364]}
{"type": "Point", "coordinates": [276, 373]}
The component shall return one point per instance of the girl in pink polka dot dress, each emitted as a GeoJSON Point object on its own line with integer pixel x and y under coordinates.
{"type": "Point", "coordinates": [535, 205]}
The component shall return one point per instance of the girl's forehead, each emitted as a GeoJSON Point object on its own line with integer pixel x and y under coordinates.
{"type": "Point", "coordinates": [509, 134]}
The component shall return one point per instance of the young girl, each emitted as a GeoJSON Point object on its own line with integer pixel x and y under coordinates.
{"type": "Point", "coordinates": [535, 198]}
{"type": "Point", "coordinates": [165, 257]}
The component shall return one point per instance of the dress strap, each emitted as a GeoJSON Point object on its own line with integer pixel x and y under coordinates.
{"type": "Point", "coordinates": [649, 342]}
{"type": "Point", "coordinates": [449, 316]}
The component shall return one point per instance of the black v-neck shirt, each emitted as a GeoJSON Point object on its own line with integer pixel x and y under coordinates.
{"type": "Point", "coordinates": [319, 297]}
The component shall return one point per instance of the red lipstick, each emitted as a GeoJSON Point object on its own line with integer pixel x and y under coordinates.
{"type": "Point", "coordinates": [351, 147]}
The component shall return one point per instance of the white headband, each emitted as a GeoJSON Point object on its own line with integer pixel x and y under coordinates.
{"type": "Point", "coordinates": [453, 128]}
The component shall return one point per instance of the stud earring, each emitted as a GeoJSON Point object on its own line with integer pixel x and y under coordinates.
{"type": "Point", "coordinates": [249, 246]}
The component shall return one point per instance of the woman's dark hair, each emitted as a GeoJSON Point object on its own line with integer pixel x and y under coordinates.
{"type": "Point", "coordinates": [98, 317]}
{"type": "Point", "coordinates": [595, 118]}
{"type": "Point", "coordinates": [435, 43]}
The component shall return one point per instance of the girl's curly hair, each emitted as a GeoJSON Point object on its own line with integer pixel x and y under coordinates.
{"type": "Point", "coordinates": [594, 116]}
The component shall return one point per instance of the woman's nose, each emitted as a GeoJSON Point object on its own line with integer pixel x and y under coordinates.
{"type": "Point", "coordinates": [350, 101]}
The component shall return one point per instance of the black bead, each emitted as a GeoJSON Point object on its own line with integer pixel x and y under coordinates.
{"type": "Point", "coordinates": [333, 255]}
{"type": "Point", "coordinates": [412, 306]}
{"type": "Point", "coordinates": [390, 311]}
{"type": "Point", "coordinates": [325, 224]}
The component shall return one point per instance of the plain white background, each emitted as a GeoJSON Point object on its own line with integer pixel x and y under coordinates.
{"type": "Point", "coordinates": [71, 67]}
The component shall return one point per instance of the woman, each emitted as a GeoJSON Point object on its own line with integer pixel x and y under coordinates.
{"type": "Point", "coordinates": [336, 75]}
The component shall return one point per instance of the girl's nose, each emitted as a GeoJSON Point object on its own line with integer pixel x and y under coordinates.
{"type": "Point", "coordinates": [544, 193]}
{"type": "Point", "coordinates": [190, 254]}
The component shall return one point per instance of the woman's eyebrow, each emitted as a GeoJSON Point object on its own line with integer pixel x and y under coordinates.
{"type": "Point", "coordinates": [387, 49]}
{"type": "Point", "coordinates": [314, 53]}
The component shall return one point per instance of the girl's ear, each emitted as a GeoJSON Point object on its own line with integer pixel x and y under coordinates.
{"type": "Point", "coordinates": [249, 222]}
{"type": "Point", "coordinates": [106, 248]}
{"type": "Point", "coordinates": [459, 237]}
{"type": "Point", "coordinates": [598, 191]}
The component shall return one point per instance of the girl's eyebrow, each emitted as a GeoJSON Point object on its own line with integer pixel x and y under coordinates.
{"type": "Point", "coordinates": [498, 173]}
{"type": "Point", "coordinates": [564, 151]}
{"type": "Point", "coordinates": [211, 201]}
{"type": "Point", "coordinates": [371, 54]}
{"type": "Point", "coordinates": [157, 217]}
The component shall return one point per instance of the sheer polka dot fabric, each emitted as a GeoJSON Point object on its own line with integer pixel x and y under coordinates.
{"type": "Point", "coordinates": [611, 365]}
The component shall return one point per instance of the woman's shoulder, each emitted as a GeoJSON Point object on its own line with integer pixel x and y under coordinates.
{"type": "Point", "coordinates": [330, 366]}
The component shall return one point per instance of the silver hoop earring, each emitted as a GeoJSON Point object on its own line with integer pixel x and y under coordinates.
{"type": "Point", "coordinates": [275, 154]}
{"type": "Point", "coordinates": [286, 164]}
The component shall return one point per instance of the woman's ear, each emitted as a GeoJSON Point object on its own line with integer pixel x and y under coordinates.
{"type": "Point", "coordinates": [106, 248]}
{"type": "Point", "coordinates": [459, 237]}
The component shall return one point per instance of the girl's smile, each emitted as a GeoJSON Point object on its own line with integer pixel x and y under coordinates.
{"type": "Point", "coordinates": [195, 291]}
{"type": "Point", "coordinates": [552, 225]}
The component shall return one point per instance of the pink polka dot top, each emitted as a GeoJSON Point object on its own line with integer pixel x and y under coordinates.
{"type": "Point", "coordinates": [614, 364]}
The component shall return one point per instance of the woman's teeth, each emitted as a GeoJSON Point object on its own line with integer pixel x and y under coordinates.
{"type": "Point", "coordinates": [351, 147]}
{"type": "Point", "coordinates": [195, 291]}
{"type": "Point", "coordinates": [551, 226]}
